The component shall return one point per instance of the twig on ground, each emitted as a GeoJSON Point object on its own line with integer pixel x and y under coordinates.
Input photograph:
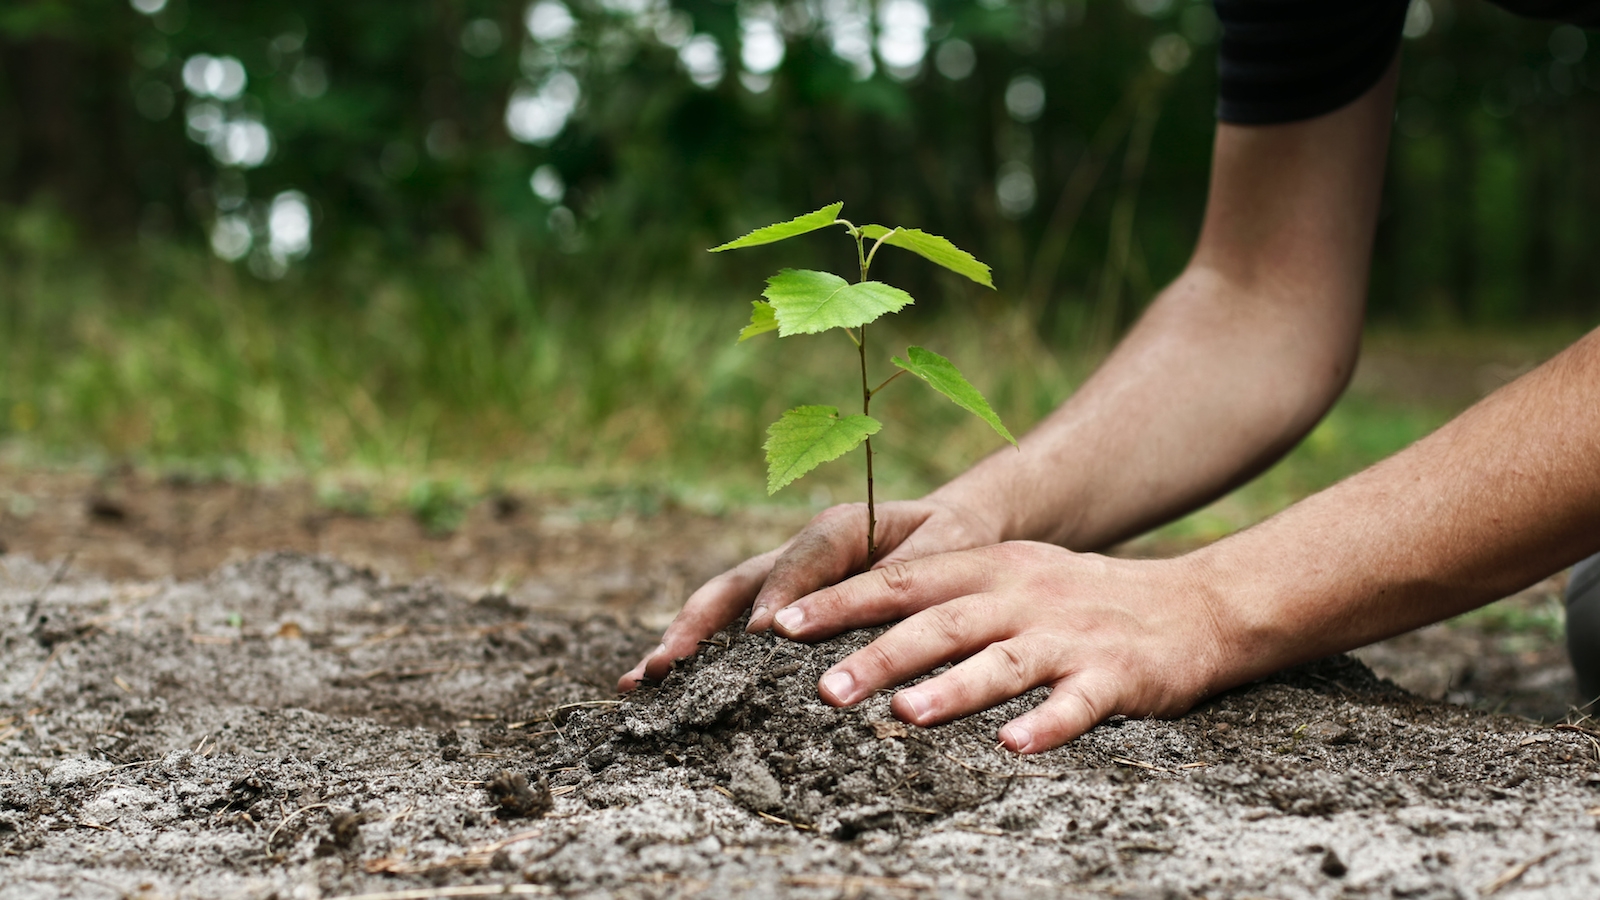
{"type": "Point", "coordinates": [852, 885]}
{"type": "Point", "coordinates": [1594, 745]}
{"type": "Point", "coordinates": [782, 821]}
{"type": "Point", "coordinates": [55, 578]}
{"type": "Point", "coordinates": [1514, 873]}
{"type": "Point", "coordinates": [286, 819]}
{"type": "Point", "coordinates": [39, 675]}
{"type": "Point", "coordinates": [1149, 767]}
{"type": "Point", "coordinates": [475, 858]}
{"type": "Point", "coordinates": [421, 671]}
{"type": "Point", "coordinates": [465, 890]}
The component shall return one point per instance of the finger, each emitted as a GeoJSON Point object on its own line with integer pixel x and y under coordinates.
{"type": "Point", "coordinates": [937, 635]}
{"type": "Point", "coordinates": [882, 595]}
{"type": "Point", "coordinates": [829, 549]}
{"type": "Point", "coordinates": [1074, 706]}
{"type": "Point", "coordinates": [993, 675]}
{"type": "Point", "coordinates": [934, 534]}
{"type": "Point", "coordinates": [707, 611]}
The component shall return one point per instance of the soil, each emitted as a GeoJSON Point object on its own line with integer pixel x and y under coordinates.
{"type": "Point", "coordinates": [292, 726]}
{"type": "Point", "coordinates": [181, 716]}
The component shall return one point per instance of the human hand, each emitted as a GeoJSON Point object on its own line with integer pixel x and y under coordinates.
{"type": "Point", "coordinates": [832, 547]}
{"type": "Point", "coordinates": [1107, 636]}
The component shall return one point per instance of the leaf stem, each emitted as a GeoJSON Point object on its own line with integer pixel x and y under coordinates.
{"type": "Point", "coordinates": [866, 409]}
{"type": "Point", "coordinates": [874, 251]}
{"type": "Point", "coordinates": [886, 382]}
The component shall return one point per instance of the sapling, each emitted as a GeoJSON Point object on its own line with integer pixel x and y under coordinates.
{"type": "Point", "coordinates": [802, 301]}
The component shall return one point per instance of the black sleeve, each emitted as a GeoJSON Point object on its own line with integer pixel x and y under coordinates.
{"type": "Point", "coordinates": [1287, 60]}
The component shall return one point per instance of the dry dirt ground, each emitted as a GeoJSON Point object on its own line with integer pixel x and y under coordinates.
{"type": "Point", "coordinates": [182, 715]}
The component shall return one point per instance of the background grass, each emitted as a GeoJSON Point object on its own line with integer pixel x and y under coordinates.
{"type": "Point", "coordinates": [440, 382]}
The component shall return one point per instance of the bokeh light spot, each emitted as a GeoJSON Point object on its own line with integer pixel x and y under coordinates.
{"type": "Point", "coordinates": [955, 59]}
{"type": "Point", "coordinates": [547, 184]}
{"type": "Point", "coordinates": [1025, 98]}
{"type": "Point", "coordinates": [702, 59]}
{"type": "Point", "coordinates": [550, 22]}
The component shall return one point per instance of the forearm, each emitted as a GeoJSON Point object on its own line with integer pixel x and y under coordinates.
{"type": "Point", "coordinates": [1233, 363]}
{"type": "Point", "coordinates": [1214, 384]}
{"type": "Point", "coordinates": [1504, 495]}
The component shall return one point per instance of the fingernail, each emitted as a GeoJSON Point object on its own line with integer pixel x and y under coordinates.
{"type": "Point", "coordinates": [757, 614]}
{"type": "Point", "coordinates": [840, 685]}
{"type": "Point", "coordinates": [1017, 736]}
{"type": "Point", "coordinates": [918, 703]}
{"type": "Point", "coordinates": [790, 618]}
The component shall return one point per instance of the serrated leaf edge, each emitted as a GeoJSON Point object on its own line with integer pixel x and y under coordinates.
{"type": "Point", "coordinates": [738, 243]}
{"type": "Point", "coordinates": [832, 412]}
{"type": "Point", "coordinates": [998, 425]}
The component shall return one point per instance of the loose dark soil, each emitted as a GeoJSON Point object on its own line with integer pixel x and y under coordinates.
{"type": "Point", "coordinates": [291, 726]}
{"type": "Point", "coordinates": [635, 557]}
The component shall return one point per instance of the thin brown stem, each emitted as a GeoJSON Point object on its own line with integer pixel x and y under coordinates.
{"type": "Point", "coordinates": [886, 382]}
{"type": "Point", "coordinates": [866, 409]}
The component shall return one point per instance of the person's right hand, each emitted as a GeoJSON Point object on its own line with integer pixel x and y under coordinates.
{"type": "Point", "coordinates": [831, 548]}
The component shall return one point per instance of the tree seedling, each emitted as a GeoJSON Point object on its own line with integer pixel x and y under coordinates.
{"type": "Point", "coordinates": [802, 301]}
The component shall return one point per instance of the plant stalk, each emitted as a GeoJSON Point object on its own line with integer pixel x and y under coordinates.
{"type": "Point", "coordinates": [866, 408]}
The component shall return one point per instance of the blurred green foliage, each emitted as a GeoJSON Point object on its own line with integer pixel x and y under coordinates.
{"type": "Point", "coordinates": [392, 120]}
{"type": "Point", "coordinates": [456, 326]}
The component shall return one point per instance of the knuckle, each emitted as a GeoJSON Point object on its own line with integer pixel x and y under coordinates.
{"type": "Point", "coordinates": [897, 577]}
{"type": "Point", "coordinates": [1012, 552]}
{"type": "Point", "coordinates": [944, 624]}
{"type": "Point", "coordinates": [828, 600]}
{"type": "Point", "coordinates": [876, 660]}
{"type": "Point", "coordinates": [831, 518]}
{"type": "Point", "coordinates": [1013, 663]}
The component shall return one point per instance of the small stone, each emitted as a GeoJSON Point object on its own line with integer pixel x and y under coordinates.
{"type": "Point", "coordinates": [346, 829]}
{"type": "Point", "coordinates": [752, 783]}
{"type": "Point", "coordinates": [1333, 866]}
{"type": "Point", "coordinates": [1330, 733]}
{"type": "Point", "coordinates": [886, 729]}
{"type": "Point", "coordinates": [510, 791]}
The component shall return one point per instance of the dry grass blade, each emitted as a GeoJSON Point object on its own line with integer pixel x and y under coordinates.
{"type": "Point", "coordinates": [50, 660]}
{"type": "Point", "coordinates": [479, 857]}
{"type": "Point", "coordinates": [1148, 767]}
{"type": "Point", "coordinates": [290, 817]}
{"type": "Point", "coordinates": [1514, 873]}
{"type": "Point", "coordinates": [854, 884]}
{"type": "Point", "coordinates": [55, 577]}
{"type": "Point", "coordinates": [782, 821]}
{"type": "Point", "coordinates": [421, 671]}
{"type": "Point", "coordinates": [466, 890]}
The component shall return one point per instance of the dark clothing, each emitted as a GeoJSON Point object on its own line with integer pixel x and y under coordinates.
{"type": "Point", "coordinates": [1287, 60]}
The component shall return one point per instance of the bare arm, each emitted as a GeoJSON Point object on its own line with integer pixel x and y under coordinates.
{"type": "Point", "coordinates": [1499, 498]}
{"type": "Point", "coordinates": [1233, 363]}
{"type": "Point", "coordinates": [1502, 496]}
{"type": "Point", "coordinates": [1230, 366]}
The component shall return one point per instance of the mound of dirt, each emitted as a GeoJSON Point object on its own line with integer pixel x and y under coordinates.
{"type": "Point", "coordinates": [293, 727]}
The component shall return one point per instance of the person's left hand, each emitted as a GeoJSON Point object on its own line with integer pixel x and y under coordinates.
{"type": "Point", "coordinates": [1108, 636]}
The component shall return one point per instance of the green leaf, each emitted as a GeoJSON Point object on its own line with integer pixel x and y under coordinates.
{"type": "Point", "coordinates": [945, 378]}
{"type": "Point", "coordinates": [762, 320]}
{"type": "Point", "coordinates": [807, 437]}
{"type": "Point", "coordinates": [934, 249]}
{"type": "Point", "coordinates": [807, 301]}
{"type": "Point", "coordinates": [795, 227]}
